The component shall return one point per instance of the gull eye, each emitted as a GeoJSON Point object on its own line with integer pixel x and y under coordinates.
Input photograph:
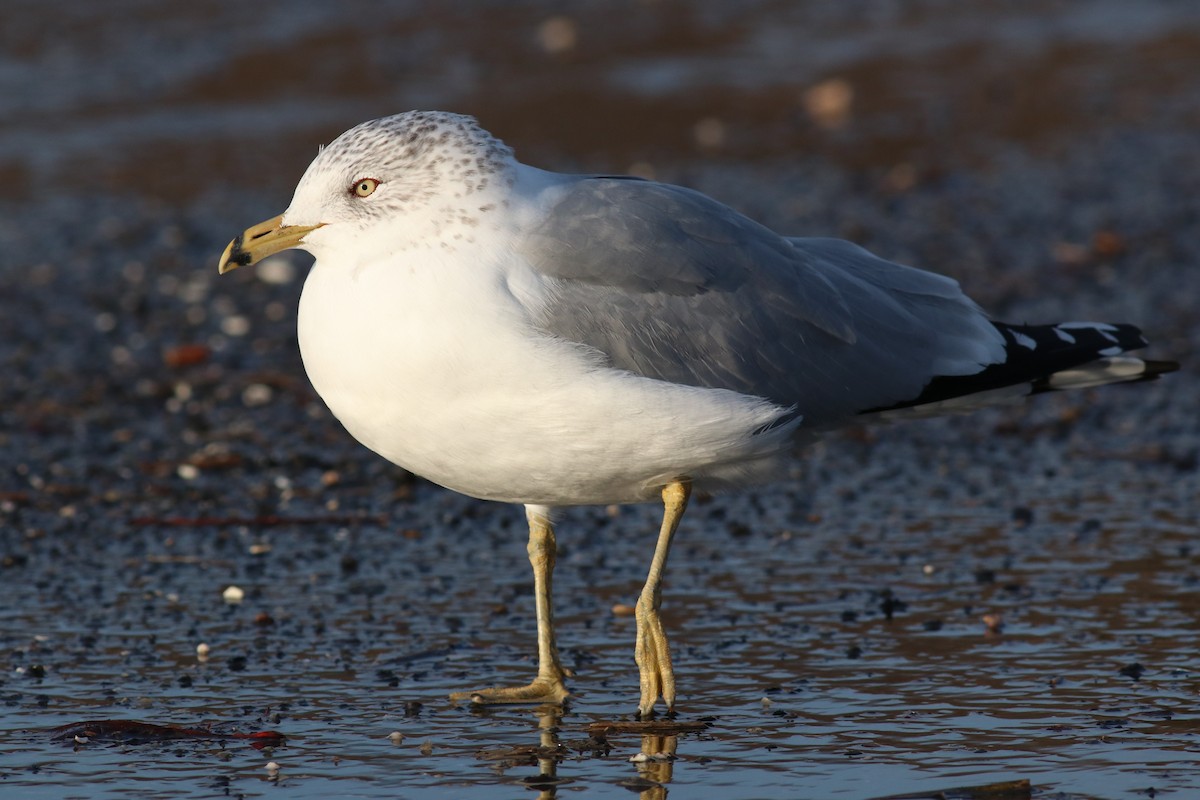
{"type": "Point", "coordinates": [365, 187]}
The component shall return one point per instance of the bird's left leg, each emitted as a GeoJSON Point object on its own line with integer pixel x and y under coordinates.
{"type": "Point", "coordinates": [653, 657]}
{"type": "Point", "coordinates": [548, 686]}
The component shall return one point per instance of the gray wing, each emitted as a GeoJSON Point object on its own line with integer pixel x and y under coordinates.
{"type": "Point", "coordinates": [670, 284]}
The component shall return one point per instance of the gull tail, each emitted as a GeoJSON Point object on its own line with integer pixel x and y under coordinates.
{"type": "Point", "coordinates": [1039, 358]}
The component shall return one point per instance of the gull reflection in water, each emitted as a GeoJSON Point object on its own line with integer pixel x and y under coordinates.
{"type": "Point", "coordinates": [653, 764]}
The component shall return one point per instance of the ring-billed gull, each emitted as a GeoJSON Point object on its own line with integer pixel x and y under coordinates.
{"type": "Point", "coordinates": [554, 340]}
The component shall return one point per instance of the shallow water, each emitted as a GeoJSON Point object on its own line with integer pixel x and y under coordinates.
{"type": "Point", "coordinates": [159, 443]}
{"type": "Point", "coordinates": [351, 632]}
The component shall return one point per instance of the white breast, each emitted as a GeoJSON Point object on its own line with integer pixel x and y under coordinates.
{"type": "Point", "coordinates": [430, 362]}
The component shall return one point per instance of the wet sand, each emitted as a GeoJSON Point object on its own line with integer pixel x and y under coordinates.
{"type": "Point", "coordinates": [1009, 595]}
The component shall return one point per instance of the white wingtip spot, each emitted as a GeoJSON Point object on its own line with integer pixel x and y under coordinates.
{"type": "Point", "coordinates": [1098, 373]}
{"type": "Point", "coordinates": [1062, 334]}
{"type": "Point", "coordinates": [1024, 341]}
{"type": "Point", "coordinates": [1096, 326]}
{"type": "Point", "coordinates": [1103, 328]}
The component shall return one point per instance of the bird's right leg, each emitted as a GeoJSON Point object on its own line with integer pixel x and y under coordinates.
{"type": "Point", "coordinates": [548, 686]}
{"type": "Point", "coordinates": [653, 656]}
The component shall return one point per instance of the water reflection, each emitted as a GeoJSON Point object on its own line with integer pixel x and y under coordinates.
{"type": "Point", "coordinates": [656, 763]}
{"type": "Point", "coordinates": [546, 755]}
{"type": "Point", "coordinates": [549, 753]}
{"type": "Point", "coordinates": [652, 767]}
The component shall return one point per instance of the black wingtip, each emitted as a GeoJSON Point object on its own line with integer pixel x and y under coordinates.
{"type": "Point", "coordinates": [1036, 354]}
{"type": "Point", "coordinates": [1156, 368]}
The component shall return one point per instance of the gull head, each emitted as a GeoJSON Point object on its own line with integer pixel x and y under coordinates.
{"type": "Point", "coordinates": [420, 178]}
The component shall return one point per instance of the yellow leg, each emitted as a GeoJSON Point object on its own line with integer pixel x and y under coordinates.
{"type": "Point", "coordinates": [548, 686]}
{"type": "Point", "coordinates": [652, 654]}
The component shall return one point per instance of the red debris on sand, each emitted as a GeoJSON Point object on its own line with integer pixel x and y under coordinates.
{"type": "Point", "coordinates": [132, 731]}
{"type": "Point", "coordinates": [186, 355]}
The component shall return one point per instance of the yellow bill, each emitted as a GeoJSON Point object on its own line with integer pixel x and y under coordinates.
{"type": "Point", "coordinates": [261, 240]}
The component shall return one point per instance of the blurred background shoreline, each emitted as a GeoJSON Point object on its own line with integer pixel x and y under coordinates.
{"type": "Point", "coordinates": [132, 97]}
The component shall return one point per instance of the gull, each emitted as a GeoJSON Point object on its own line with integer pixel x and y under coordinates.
{"type": "Point", "coordinates": [555, 340]}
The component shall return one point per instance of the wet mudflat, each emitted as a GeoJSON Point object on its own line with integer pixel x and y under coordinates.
{"type": "Point", "coordinates": [1007, 596]}
{"type": "Point", "coordinates": [351, 632]}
